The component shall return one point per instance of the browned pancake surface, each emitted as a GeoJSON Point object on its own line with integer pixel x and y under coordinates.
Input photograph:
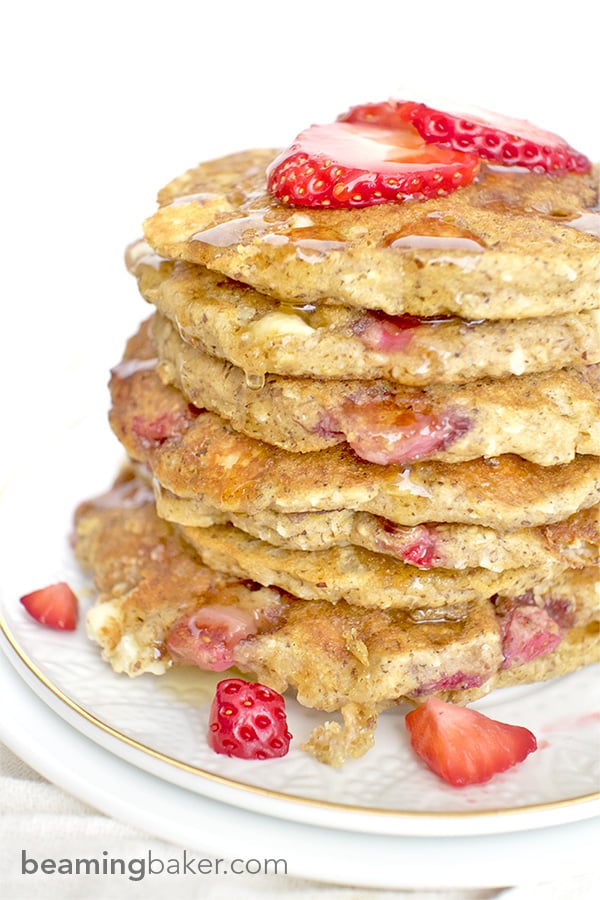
{"type": "Point", "coordinates": [511, 245]}
{"type": "Point", "coordinates": [195, 454]}
{"type": "Point", "coordinates": [259, 335]}
{"type": "Point", "coordinates": [333, 657]}
{"type": "Point", "coordinates": [546, 418]}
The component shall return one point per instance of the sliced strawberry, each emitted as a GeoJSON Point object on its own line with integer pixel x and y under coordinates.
{"type": "Point", "coordinates": [462, 745]}
{"type": "Point", "coordinates": [347, 164]}
{"type": "Point", "coordinates": [54, 606]}
{"type": "Point", "coordinates": [248, 720]}
{"type": "Point", "coordinates": [208, 637]}
{"type": "Point", "coordinates": [492, 136]}
{"type": "Point", "coordinates": [387, 114]}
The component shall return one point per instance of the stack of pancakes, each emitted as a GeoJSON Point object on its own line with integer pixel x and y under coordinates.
{"type": "Point", "coordinates": [374, 431]}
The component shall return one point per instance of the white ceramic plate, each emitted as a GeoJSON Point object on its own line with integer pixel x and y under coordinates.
{"type": "Point", "coordinates": [159, 723]}
{"type": "Point", "coordinates": [171, 813]}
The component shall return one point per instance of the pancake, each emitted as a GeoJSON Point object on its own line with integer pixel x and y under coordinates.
{"type": "Point", "coordinates": [360, 577]}
{"type": "Point", "coordinates": [150, 583]}
{"type": "Point", "coordinates": [512, 244]}
{"type": "Point", "coordinates": [195, 454]}
{"type": "Point", "coordinates": [573, 543]}
{"type": "Point", "coordinates": [259, 335]}
{"type": "Point", "coordinates": [545, 418]}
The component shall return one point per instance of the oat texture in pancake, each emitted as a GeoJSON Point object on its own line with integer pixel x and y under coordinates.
{"type": "Point", "coordinates": [546, 418]}
{"type": "Point", "coordinates": [151, 585]}
{"type": "Point", "coordinates": [510, 245]}
{"type": "Point", "coordinates": [362, 422]}
{"type": "Point", "coordinates": [573, 543]}
{"type": "Point", "coordinates": [195, 454]}
{"type": "Point", "coordinates": [360, 577]}
{"type": "Point", "coordinates": [259, 335]}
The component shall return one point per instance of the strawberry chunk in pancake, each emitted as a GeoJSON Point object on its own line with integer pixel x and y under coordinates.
{"type": "Point", "coordinates": [151, 424]}
{"type": "Point", "coordinates": [208, 636]}
{"type": "Point", "coordinates": [389, 430]}
{"type": "Point", "coordinates": [529, 630]}
{"type": "Point", "coordinates": [388, 434]}
{"type": "Point", "coordinates": [417, 546]}
{"type": "Point", "coordinates": [392, 334]}
{"type": "Point", "coordinates": [161, 427]}
{"type": "Point", "coordinates": [457, 681]}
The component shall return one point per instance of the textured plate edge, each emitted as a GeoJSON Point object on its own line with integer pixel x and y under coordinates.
{"type": "Point", "coordinates": [348, 818]}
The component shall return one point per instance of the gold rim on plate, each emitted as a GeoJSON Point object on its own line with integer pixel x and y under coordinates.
{"type": "Point", "coordinates": [231, 783]}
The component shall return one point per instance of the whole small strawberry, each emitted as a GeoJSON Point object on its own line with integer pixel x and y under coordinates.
{"type": "Point", "coordinates": [248, 720]}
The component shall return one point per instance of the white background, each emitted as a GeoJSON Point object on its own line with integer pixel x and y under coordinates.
{"type": "Point", "coordinates": [102, 104]}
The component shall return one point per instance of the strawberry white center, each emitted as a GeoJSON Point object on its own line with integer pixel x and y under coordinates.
{"type": "Point", "coordinates": [371, 147]}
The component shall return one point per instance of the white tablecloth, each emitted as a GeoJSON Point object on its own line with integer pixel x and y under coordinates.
{"type": "Point", "coordinates": [41, 819]}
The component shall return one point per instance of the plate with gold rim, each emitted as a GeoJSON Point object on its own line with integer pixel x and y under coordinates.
{"type": "Point", "coordinates": [203, 826]}
{"type": "Point", "coordinates": [159, 723]}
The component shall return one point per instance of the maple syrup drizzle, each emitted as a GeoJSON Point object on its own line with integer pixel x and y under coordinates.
{"type": "Point", "coordinates": [254, 382]}
{"type": "Point", "coordinates": [435, 232]}
{"type": "Point", "coordinates": [587, 222]}
{"type": "Point", "coordinates": [201, 198]}
{"type": "Point", "coordinates": [231, 231]}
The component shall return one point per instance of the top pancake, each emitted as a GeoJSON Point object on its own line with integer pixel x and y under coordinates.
{"type": "Point", "coordinates": [512, 244]}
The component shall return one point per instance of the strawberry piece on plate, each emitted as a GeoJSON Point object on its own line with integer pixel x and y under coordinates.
{"type": "Point", "coordinates": [248, 720]}
{"type": "Point", "coordinates": [492, 136]}
{"type": "Point", "coordinates": [54, 606]}
{"type": "Point", "coordinates": [352, 165]}
{"type": "Point", "coordinates": [462, 745]}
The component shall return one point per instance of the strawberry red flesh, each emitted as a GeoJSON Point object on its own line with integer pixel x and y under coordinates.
{"type": "Point", "coordinates": [421, 552]}
{"type": "Point", "coordinates": [388, 434]}
{"type": "Point", "coordinates": [54, 606]}
{"type": "Point", "coordinates": [387, 114]}
{"type": "Point", "coordinates": [457, 681]}
{"type": "Point", "coordinates": [208, 637]}
{"type": "Point", "coordinates": [417, 546]}
{"type": "Point", "coordinates": [393, 334]}
{"type": "Point", "coordinates": [463, 746]}
{"type": "Point", "coordinates": [527, 631]}
{"type": "Point", "coordinates": [492, 136]}
{"type": "Point", "coordinates": [248, 720]}
{"type": "Point", "coordinates": [166, 425]}
{"type": "Point", "coordinates": [353, 165]}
